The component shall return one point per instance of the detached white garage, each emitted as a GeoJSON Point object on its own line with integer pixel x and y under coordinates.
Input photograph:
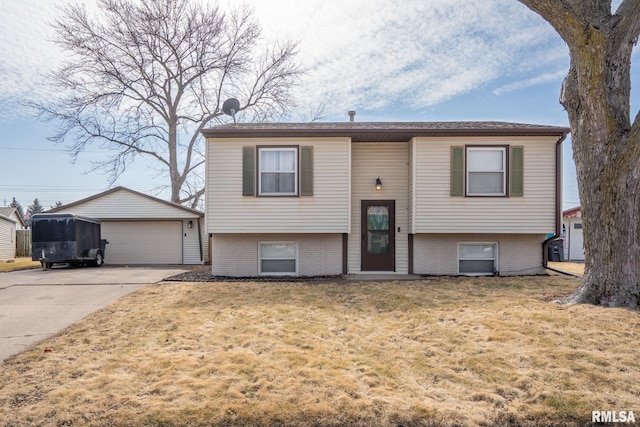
{"type": "Point", "coordinates": [572, 231]}
{"type": "Point", "coordinates": [142, 229]}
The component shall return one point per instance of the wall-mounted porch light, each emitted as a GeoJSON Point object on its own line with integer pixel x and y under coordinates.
{"type": "Point", "coordinates": [190, 225]}
{"type": "Point", "coordinates": [378, 184]}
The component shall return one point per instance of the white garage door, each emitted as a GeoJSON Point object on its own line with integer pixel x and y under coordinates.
{"type": "Point", "coordinates": [143, 242]}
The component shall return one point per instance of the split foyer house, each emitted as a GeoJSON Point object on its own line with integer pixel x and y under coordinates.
{"type": "Point", "coordinates": [435, 198]}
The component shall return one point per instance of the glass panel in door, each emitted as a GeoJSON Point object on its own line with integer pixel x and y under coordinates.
{"type": "Point", "coordinates": [378, 235]}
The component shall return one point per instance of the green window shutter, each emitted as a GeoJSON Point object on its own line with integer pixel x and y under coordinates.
{"type": "Point", "coordinates": [457, 171]}
{"type": "Point", "coordinates": [306, 171]}
{"type": "Point", "coordinates": [248, 171]}
{"type": "Point", "coordinates": [517, 172]}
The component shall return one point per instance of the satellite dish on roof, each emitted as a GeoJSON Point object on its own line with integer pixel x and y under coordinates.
{"type": "Point", "coordinates": [230, 107]}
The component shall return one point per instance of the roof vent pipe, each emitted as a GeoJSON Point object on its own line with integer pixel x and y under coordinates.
{"type": "Point", "coordinates": [352, 115]}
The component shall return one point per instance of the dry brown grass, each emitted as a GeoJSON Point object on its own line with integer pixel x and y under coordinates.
{"type": "Point", "coordinates": [576, 268]}
{"type": "Point", "coordinates": [442, 351]}
{"type": "Point", "coordinates": [18, 264]}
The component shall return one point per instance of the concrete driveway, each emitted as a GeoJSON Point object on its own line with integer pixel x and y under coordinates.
{"type": "Point", "coordinates": [35, 304]}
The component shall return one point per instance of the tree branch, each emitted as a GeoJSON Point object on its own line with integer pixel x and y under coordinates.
{"type": "Point", "coordinates": [627, 25]}
{"type": "Point", "coordinates": [147, 76]}
{"type": "Point", "coordinates": [563, 16]}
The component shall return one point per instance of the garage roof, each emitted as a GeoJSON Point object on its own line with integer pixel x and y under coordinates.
{"type": "Point", "coordinates": [124, 203]}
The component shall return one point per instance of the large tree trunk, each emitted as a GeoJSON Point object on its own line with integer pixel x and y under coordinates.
{"type": "Point", "coordinates": [606, 146]}
{"type": "Point", "coordinates": [610, 196]}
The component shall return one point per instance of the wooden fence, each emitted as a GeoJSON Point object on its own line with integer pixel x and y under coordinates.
{"type": "Point", "coordinates": [23, 243]}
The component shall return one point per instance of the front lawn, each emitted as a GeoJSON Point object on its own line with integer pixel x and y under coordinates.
{"type": "Point", "coordinates": [440, 351]}
{"type": "Point", "coordinates": [18, 264]}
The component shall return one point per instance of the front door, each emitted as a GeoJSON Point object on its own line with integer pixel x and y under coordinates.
{"type": "Point", "coordinates": [378, 235]}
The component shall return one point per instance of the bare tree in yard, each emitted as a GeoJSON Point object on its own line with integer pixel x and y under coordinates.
{"type": "Point", "coordinates": [146, 76]}
{"type": "Point", "coordinates": [596, 94]}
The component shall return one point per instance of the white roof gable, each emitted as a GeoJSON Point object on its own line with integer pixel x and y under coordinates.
{"type": "Point", "coordinates": [122, 203]}
{"type": "Point", "coordinates": [7, 219]}
{"type": "Point", "coordinates": [12, 214]}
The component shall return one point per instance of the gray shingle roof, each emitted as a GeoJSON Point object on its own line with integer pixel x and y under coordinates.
{"type": "Point", "coordinates": [380, 131]}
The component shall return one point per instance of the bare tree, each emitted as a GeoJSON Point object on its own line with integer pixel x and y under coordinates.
{"type": "Point", "coordinates": [596, 94]}
{"type": "Point", "coordinates": [146, 76]}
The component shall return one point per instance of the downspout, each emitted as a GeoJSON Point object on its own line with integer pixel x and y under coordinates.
{"type": "Point", "coordinates": [200, 242]}
{"type": "Point", "coordinates": [558, 231]}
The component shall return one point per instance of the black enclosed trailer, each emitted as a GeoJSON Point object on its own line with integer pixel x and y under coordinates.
{"type": "Point", "coordinates": [66, 238]}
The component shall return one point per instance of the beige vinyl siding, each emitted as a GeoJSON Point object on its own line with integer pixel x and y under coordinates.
{"type": "Point", "coordinates": [236, 255]}
{"type": "Point", "coordinates": [205, 241]}
{"type": "Point", "coordinates": [411, 173]}
{"type": "Point", "coordinates": [518, 254]}
{"type": "Point", "coordinates": [14, 216]}
{"type": "Point", "coordinates": [327, 211]}
{"type": "Point", "coordinates": [389, 162]}
{"type": "Point", "coordinates": [436, 211]}
{"type": "Point", "coordinates": [7, 239]}
{"type": "Point", "coordinates": [191, 243]}
{"type": "Point", "coordinates": [125, 205]}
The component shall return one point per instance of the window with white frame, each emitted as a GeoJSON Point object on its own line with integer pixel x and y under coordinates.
{"type": "Point", "coordinates": [278, 171]}
{"type": "Point", "coordinates": [486, 171]}
{"type": "Point", "coordinates": [278, 258]}
{"type": "Point", "coordinates": [478, 258]}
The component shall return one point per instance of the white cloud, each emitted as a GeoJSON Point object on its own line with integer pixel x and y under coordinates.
{"type": "Point", "coordinates": [375, 54]}
{"type": "Point", "coordinates": [362, 54]}
{"type": "Point", "coordinates": [26, 54]}
{"type": "Point", "coordinates": [534, 81]}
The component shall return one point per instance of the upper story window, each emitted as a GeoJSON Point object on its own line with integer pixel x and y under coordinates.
{"type": "Point", "coordinates": [486, 171]}
{"type": "Point", "coordinates": [277, 171]}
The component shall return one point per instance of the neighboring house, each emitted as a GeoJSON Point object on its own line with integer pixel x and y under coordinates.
{"type": "Point", "coordinates": [13, 214]}
{"type": "Point", "coordinates": [440, 198]}
{"type": "Point", "coordinates": [7, 238]}
{"type": "Point", "coordinates": [142, 229]}
{"type": "Point", "coordinates": [572, 232]}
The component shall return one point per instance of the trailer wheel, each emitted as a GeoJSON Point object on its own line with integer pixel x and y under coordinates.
{"type": "Point", "coordinates": [46, 265]}
{"type": "Point", "coordinates": [99, 260]}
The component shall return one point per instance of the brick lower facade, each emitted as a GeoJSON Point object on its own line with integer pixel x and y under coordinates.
{"type": "Point", "coordinates": [237, 254]}
{"type": "Point", "coordinates": [518, 254]}
{"type": "Point", "coordinates": [321, 254]}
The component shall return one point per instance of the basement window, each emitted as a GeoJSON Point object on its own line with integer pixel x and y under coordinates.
{"type": "Point", "coordinates": [478, 258]}
{"type": "Point", "coordinates": [278, 258]}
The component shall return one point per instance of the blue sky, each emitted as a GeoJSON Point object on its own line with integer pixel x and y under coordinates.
{"type": "Point", "coordinates": [414, 60]}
